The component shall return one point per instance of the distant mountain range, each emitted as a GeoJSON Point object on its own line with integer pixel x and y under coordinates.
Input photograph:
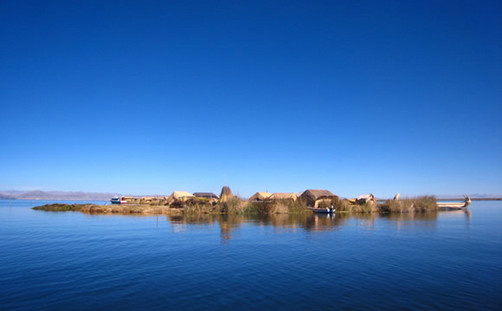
{"type": "Point", "coordinates": [54, 195]}
{"type": "Point", "coordinates": [472, 196]}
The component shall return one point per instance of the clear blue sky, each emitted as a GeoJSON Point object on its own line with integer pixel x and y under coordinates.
{"type": "Point", "coordinates": [155, 96]}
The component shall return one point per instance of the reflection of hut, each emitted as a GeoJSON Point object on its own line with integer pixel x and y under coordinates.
{"type": "Point", "coordinates": [260, 196]}
{"type": "Point", "coordinates": [180, 196]}
{"type": "Point", "coordinates": [283, 196]}
{"type": "Point", "coordinates": [226, 194]}
{"type": "Point", "coordinates": [205, 195]}
{"type": "Point", "coordinates": [227, 223]}
{"type": "Point", "coordinates": [313, 196]}
{"type": "Point", "coordinates": [365, 198]}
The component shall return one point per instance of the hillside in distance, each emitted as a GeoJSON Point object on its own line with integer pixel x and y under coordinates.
{"type": "Point", "coordinates": [54, 195]}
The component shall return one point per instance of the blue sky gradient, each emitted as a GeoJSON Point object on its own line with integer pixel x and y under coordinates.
{"type": "Point", "coordinates": [155, 96]}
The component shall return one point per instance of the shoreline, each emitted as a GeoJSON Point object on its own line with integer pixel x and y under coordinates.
{"type": "Point", "coordinates": [425, 204]}
{"type": "Point", "coordinates": [123, 209]}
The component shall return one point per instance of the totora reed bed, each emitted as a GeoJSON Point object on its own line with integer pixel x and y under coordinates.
{"type": "Point", "coordinates": [235, 205]}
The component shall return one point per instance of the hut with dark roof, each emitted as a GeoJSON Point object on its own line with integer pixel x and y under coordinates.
{"type": "Point", "coordinates": [205, 195]}
{"type": "Point", "coordinates": [314, 196]}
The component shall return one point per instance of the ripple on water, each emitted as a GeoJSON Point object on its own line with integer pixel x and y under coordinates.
{"type": "Point", "coordinates": [76, 261]}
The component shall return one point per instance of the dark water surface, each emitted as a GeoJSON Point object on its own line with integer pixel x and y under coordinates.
{"type": "Point", "coordinates": [74, 261]}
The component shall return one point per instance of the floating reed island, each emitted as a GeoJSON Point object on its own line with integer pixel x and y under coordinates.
{"type": "Point", "coordinates": [311, 200]}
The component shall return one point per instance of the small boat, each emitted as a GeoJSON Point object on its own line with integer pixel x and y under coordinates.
{"type": "Point", "coordinates": [453, 206]}
{"type": "Point", "coordinates": [118, 200]}
{"type": "Point", "coordinates": [325, 210]}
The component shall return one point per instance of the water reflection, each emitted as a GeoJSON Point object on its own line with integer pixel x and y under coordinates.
{"type": "Point", "coordinates": [457, 214]}
{"type": "Point", "coordinates": [424, 220]}
{"type": "Point", "coordinates": [310, 223]}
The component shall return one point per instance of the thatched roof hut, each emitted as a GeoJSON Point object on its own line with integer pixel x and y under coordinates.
{"type": "Point", "coordinates": [136, 200]}
{"type": "Point", "coordinates": [365, 198]}
{"type": "Point", "coordinates": [310, 196]}
{"type": "Point", "coordinates": [179, 195]}
{"type": "Point", "coordinates": [206, 195]}
{"type": "Point", "coordinates": [283, 196]}
{"type": "Point", "coordinates": [146, 200]}
{"type": "Point", "coordinates": [226, 194]}
{"type": "Point", "coordinates": [260, 196]}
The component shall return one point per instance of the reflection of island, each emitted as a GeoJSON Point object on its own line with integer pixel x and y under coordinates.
{"type": "Point", "coordinates": [308, 222]}
{"type": "Point", "coordinates": [427, 220]}
{"type": "Point", "coordinates": [323, 222]}
{"type": "Point", "coordinates": [226, 222]}
{"type": "Point", "coordinates": [412, 216]}
{"type": "Point", "coordinates": [457, 214]}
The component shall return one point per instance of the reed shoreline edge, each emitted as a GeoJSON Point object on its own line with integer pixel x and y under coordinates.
{"type": "Point", "coordinates": [236, 205]}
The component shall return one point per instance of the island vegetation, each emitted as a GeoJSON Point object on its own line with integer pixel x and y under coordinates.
{"type": "Point", "coordinates": [261, 203]}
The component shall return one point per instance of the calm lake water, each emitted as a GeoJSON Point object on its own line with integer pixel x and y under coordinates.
{"type": "Point", "coordinates": [74, 261]}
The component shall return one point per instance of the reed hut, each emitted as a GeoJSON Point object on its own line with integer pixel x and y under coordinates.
{"type": "Point", "coordinates": [226, 194]}
{"type": "Point", "coordinates": [179, 196]}
{"type": "Point", "coordinates": [366, 198]}
{"type": "Point", "coordinates": [314, 196]}
{"type": "Point", "coordinates": [155, 201]}
{"type": "Point", "coordinates": [146, 200]}
{"type": "Point", "coordinates": [283, 196]}
{"type": "Point", "coordinates": [205, 195]}
{"type": "Point", "coordinates": [259, 196]}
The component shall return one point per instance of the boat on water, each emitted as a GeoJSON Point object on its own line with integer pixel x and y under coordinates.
{"type": "Point", "coordinates": [118, 200]}
{"type": "Point", "coordinates": [454, 206]}
{"type": "Point", "coordinates": [325, 210]}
